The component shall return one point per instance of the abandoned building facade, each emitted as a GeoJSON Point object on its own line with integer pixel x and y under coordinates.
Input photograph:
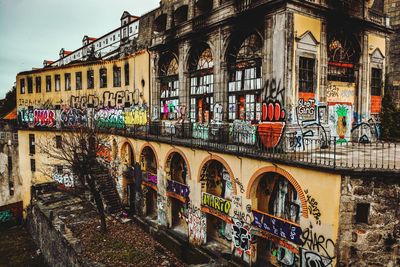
{"type": "Point", "coordinates": [237, 126]}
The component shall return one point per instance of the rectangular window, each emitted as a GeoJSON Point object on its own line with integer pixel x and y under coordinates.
{"type": "Point", "coordinates": [22, 86]}
{"type": "Point", "coordinates": [38, 82]}
{"type": "Point", "coordinates": [362, 212]}
{"type": "Point", "coordinates": [30, 85]}
{"type": "Point", "coordinates": [58, 141]}
{"type": "Point", "coordinates": [103, 77]}
{"type": "Point", "coordinates": [90, 79]}
{"type": "Point", "coordinates": [33, 165]}
{"type": "Point", "coordinates": [31, 144]}
{"type": "Point", "coordinates": [67, 77]}
{"type": "Point", "coordinates": [306, 75]}
{"type": "Point", "coordinates": [48, 83]}
{"type": "Point", "coordinates": [376, 82]}
{"type": "Point", "coordinates": [117, 76]}
{"type": "Point", "coordinates": [57, 82]}
{"type": "Point", "coordinates": [78, 80]}
{"type": "Point", "coordinates": [59, 169]}
{"type": "Point", "coordinates": [126, 70]}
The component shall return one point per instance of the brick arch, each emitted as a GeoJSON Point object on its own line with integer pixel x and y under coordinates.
{"type": "Point", "coordinates": [251, 186]}
{"type": "Point", "coordinates": [177, 150]}
{"type": "Point", "coordinates": [224, 163]}
{"type": "Point", "coordinates": [128, 143]}
{"type": "Point", "coordinates": [152, 148]}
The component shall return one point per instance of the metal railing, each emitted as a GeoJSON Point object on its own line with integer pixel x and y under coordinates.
{"type": "Point", "coordinates": [331, 152]}
{"type": "Point", "coordinates": [316, 152]}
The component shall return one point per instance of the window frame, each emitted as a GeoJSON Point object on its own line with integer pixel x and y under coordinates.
{"type": "Point", "coordinates": [38, 84]}
{"type": "Point", "coordinates": [22, 86]}
{"type": "Point", "coordinates": [30, 84]}
{"type": "Point", "coordinates": [57, 82]}
{"type": "Point", "coordinates": [67, 77]}
{"type": "Point", "coordinates": [103, 77]}
{"type": "Point", "coordinates": [310, 81]}
{"type": "Point", "coordinates": [48, 83]}
{"type": "Point", "coordinates": [78, 74]}
{"type": "Point", "coordinates": [90, 79]}
{"type": "Point", "coordinates": [116, 76]}
{"type": "Point", "coordinates": [376, 82]}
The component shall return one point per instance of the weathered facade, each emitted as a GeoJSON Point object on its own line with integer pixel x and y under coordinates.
{"type": "Point", "coordinates": [234, 125]}
{"type": "Point", "coordinates": [11, 185]}
{"type": "Point", "coordinates": [392, 8]}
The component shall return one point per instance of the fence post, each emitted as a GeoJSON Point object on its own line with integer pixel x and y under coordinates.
{"type": "Point", "coordinates": [334, 152]}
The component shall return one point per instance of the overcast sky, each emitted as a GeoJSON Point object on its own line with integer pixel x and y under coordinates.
{"type": "Point", "coordinates": [34, 30]}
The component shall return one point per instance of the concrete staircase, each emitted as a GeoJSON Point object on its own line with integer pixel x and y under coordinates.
{"type": "Point", "coordinates": [108, 190]}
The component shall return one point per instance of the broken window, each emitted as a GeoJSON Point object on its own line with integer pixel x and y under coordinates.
{"type": "Point", "coordinates": [342, 56]}
{"type": "Point", "coordinates": [90, 79]}
{"type": "Point", "coordinates": [306, 74]}
{"type": "Point", "coordinates": [67, 78]}
{"type": "Point", "coordinates": [245, 82]}
{"type": "Point", "coordinates": [117, 76]}
{"type": "Point", "coordinates": [169, 95]}
{"type": "Point", "coordinates": [30, 85]}
{"type": "Point", "coordinates": [57, 82]}
{"type": "Point", "coordinates": [126, 72]}
{"type": "Point", "coordinates": [38, 82]}
{"type": "Point", "coordinates": [48, 83]}
{"type": "Point", "coordinates": [22, 86]}
{"type": "Point", "coordinates": [78, 80]}
{"type": "Point", "coordinates": [103, 78]}
{"type": "Point", "coordinates": [376, 82]}
{"type": "Point", "coordinates": [202, 86]}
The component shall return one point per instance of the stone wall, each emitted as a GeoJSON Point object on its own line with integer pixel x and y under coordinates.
{"type": "Point", "coordinates": [56, 249]}
{"type": "Point", "coordinates": [375, 242]}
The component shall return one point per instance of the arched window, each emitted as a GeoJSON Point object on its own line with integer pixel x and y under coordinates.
{"type": "Point", "coordinates": [245, 81]}
{"type": "Point", "coordinates": [343, 56]}
{"type": "Point", "coordinates": [201, 85]}
{"type": "Point", "coordinates": [169, 94]}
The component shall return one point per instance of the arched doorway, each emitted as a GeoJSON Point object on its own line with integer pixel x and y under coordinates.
{"type": "Point", "coordinates": [217, 193]}
{"type": "Point", "coordinates": [148, 163]}
{"type": "Point", "coordinates": [178, 191]}
{"type": "Point", "coordinates": [128, 176]}
{"type": "Point", "coordinates": [277, 203]}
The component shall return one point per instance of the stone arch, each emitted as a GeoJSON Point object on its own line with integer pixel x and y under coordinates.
{"type": "Point", "coordinates": [125, 148]}
{"type": "Point", "coordinates": [196, 48]}
{"type": "Point", "coordinates": [237, 38]}
{"type": "Point", "coordinates": [251, 186]}
{"type": "Point", "coordinates": [226, 166]}
{"type": "Point", "coordinates": [177, 150]}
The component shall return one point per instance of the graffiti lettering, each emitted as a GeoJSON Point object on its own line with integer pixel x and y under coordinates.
{"type": "Point", "coordinates": [241, 236]}
{"type": "Point", "coordinates": [277, 227]}
{"type": "Point", "coordinates": [178, 189]}
{"type": "Point", "coordinates": [5, 216]}
{"type": "Point", "coordinates": [311, 259]}
{"type": "Point", "coordinates": [313, 207]}
{"type": "Point", "coordinates": [318, 243]}
{"type": "Point", "coordinates": [217, 203]}
{"type": "Point", "coordinates": [109, 118]}
{"type": "Point", "coordinates": [109, 99]}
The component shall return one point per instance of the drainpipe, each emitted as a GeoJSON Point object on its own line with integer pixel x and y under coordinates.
{"type": "Point", "coordinates": [150, 81]}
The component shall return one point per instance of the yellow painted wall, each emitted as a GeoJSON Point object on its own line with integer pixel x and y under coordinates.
{"type": "Point", "coordinates": [302, 24]}
{"type": "Point", "coordinates": [322, 186]}
{"type": "Point", "coordinates": [138, 69]}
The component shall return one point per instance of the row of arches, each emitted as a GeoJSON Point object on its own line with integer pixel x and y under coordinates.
{"type": "Point", "coordinates": [241, 58]}
{"type": "Point", "coordinates": [168, 191]}
{"type": "Point", "coordinates": [244, 57]}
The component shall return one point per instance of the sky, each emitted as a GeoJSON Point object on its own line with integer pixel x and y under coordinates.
{"type": "Point", "coordinates": [34, 30]}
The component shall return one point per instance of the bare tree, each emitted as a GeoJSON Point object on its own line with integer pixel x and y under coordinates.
{"type": "Point", "coordinates": [77, 150]}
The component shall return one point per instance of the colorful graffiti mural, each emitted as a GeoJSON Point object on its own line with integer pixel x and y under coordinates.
{"type": "Point", "coordinates": [340, 116]}
{"type": "Point", "coordinates": [272, 124]}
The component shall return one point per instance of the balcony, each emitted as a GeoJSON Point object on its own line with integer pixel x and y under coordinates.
{"type": "Point", "coordinates": [330, 154]}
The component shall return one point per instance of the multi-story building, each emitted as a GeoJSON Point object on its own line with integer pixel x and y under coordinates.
{"type": "Point", "coordinates": [393, 81]}
{"type": "Point", "coordinates": [251, 127]}
{"type": "Point", "coordinates": [11, 186]}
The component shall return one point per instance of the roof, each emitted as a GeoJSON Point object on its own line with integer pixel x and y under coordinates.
{"type": "Point", "coordinates": [11, 115]}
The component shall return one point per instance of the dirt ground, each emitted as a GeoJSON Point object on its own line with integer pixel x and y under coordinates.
{"type": "Point", "coordinates": [125, 244]}
{"type": "Point", "coordinates": [17, 249]}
